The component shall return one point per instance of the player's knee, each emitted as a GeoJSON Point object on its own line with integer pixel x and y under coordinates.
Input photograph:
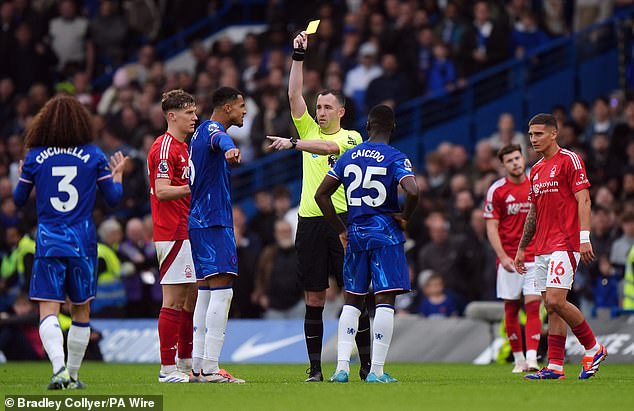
{"type": "Point", "coordinates": [315, 298]}
{"type": "Point", "coordinates": [553, 304]}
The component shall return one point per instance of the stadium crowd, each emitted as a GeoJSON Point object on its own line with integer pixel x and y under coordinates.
{"type": "Point", "coordinates": [376, 52]}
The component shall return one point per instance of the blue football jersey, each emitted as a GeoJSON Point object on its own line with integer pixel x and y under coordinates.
{"type": "Point", "coordinates": [371, 174]}
{"type": "Point", "coordinates": [65, 180]}
{"type": "Point", "coordinates": [209, 179]}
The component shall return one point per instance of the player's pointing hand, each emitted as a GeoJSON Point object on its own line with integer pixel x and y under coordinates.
{"type": "Point", "coordinates": [279, 143]}
{"type": "Point", "coordinates": [233, 156]}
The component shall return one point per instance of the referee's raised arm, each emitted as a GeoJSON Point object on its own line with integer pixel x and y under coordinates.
{"type": "Point", "coordinates": [296, 77]}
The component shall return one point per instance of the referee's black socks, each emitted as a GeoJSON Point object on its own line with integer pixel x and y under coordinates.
{"type": "Point", "coordinates": [363, 338]}
{"type": "Point", "coordinates": [314, 334]}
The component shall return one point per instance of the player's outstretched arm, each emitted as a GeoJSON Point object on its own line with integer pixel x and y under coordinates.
{"type": "Point", "coordinates": [23, 189]}
{"type": "Point", "coordinates": [530, 226]}
{"type": "Point", "coordinates": [112, 189]}
{"type": "Point", "coordinates": [296, 77]}
{"type": "Point", "coordinates": [320, 147]}
{"type": "Point", "coordinates": [323, 196]}
{"type": "Point", "coordinates": [584, 208]}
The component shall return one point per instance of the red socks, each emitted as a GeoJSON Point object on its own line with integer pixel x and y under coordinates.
{"type": "Point", "coordinates": [512, 323]}
{"type": "Point", "coordinates": [584, 334]}
{"type": "Point", "coordinates": [168, 324]}
{"type": "Point", "coordinates": [556, 349]}
{"type": "Point", "coordinates": [185, 334]}
{"type": "Point", "coordinates": [533, 328]}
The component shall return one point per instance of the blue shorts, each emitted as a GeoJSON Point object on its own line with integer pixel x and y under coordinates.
{"type": "Point", "coordinates": [213, 251]}
{"type": "Point", "coordinates": [55, 277]}
{"type": "Point", "coordinates": [385, 266]}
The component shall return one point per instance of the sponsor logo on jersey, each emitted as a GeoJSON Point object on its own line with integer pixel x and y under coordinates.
{"type": "Point", "coordinates": [516, 208]}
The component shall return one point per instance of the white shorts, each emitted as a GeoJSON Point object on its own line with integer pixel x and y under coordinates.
{"type": "Point", "coordinates": [556, 270]}
{"type": "Point", "coordinates": [511, 284]}
{"type": "Point", "coordinates": [176, 265]}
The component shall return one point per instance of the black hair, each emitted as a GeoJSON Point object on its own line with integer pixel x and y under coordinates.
{"type": "Point", "coordinates": [381, 118]}
{"type": "Point", "coordinates": [224, 95]}
{"type": "Point", "coordinates": [337, 93]}
{"type": "Point", "coordinates": [508, 149]}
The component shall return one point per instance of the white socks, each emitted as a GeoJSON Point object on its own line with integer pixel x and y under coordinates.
{"type": "Point", "coordinates": [593, 350]}
{"type": "Point", "coordinates": [383, 327]}
{"type": "Point", "coordinates": [53, 341]}
{"type": "Point", "coordinates": [200, 314]}
{"type": "Point", "coordinates": [216, 323]}
{"type": "Point", "coordinates": [518, 357]}
{"type": "Point", "coordinates": [348, 326]}
{"type": "Point", "coordinates": [531, 355]}
{"type": "Point", "coordinates": [78, 337]}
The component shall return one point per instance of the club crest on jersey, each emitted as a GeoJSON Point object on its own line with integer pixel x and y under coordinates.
{"type": "Point", "coordinates": [553, 171]}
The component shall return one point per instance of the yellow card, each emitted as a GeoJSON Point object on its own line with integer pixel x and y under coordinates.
{"type": "Point", "coordinates": [312, 27]}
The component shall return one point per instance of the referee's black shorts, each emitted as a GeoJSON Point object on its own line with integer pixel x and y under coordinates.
{"type": "Point", "coordinates": [319, 253]}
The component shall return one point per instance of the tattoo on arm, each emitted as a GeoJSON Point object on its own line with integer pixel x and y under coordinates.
{"type": "Point", "coordinates": [529, 228]}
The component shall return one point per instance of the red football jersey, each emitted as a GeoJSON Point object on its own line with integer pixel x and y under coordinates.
{"type": "Point", "coordinates": [554, 183]}
{"type": "Point", "coordinates": [508, 203]}
{"type": "Point", "coordinates": [168, 158]}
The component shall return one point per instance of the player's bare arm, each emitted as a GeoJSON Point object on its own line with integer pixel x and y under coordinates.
{"type": "Point", "coordinates": [411, 191]}
{"type": "Point", "coordinates": [296, 78]}
{"type": "Point", "coordinates": [320, 147]}
{"type": "Point", "coordinates": [496, 243]}
{"type": "Point", "coordinates": [325, 190]}
{"type": "Point", "coordinates": [584, 208]}
{"type": "Point", "coordinates": [166, 191]}
{"type": "Point", "coordinates": [530, 227]}
{"type": "Point", "coordinates": [117, 166]}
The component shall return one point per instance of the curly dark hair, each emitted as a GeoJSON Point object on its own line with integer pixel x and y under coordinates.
{"type": "Point", "coordinates": [62, 122]}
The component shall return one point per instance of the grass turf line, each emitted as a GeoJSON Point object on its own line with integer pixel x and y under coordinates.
{"type": "Point", "coordinates": [281, 387]}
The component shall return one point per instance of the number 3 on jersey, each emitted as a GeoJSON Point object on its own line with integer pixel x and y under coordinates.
{"type": "Point", "coordinates": [364, 179]}
{"type": "Point", "coordinates": [68, 173]}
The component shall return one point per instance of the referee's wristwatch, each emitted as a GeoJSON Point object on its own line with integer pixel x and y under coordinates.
{"type": "Point", "coordinates": [293, 141]}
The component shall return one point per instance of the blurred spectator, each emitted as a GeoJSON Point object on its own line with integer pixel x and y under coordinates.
{"type": "Point", "coordinates": [507, 134]}
{"type": "Point", "coordinates": [108, 31]}
{"type": "Point", "coordinates": [111, 297]}
{"type": "Point", "coordinates": [358, 79]}
{"type": "Point", "coordinates": [31, 60]}
{"type": "Point", "coordinates": [272, 120]}
{"type": "Point", "coordinates": [623, 244]}
{"type": "Point", "coordinates": [70, 39]}
{"type": "Point", "coordinates": [485, 43]}
{"type": "Point", "coordinates": [442, 73]}
{"type": "Point", "coordinates": [263, 221]}
{"type": "Point", "coordinates": [248, 247]}
{"type": "Point", "coordinates": [450, 29]}
{"type": "Point", "coordinates": [435, 301]}
{"type": "Point", "coordinates": [527, 35]}
{"type": "Point", "coordinates": [391, 88]}
{"type": "Point", "coordinates": [556, 16]}
{"type": "Point", "coordinates": [601, 120]}
{"type": "Point", "coordinates": [276, 287]}
{"type": "Point", "coordinates": [589, 12]}
{"type": "Point", "coordinates": [19, 335]}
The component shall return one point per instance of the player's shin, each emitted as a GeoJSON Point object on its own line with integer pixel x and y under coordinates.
{"type": "Point", "coordinates": [513, 329]}
{"type": "Point", "coordinates": [216, 323]}
{"type": "Point", "coordinates": [200, 316]}
{"type": "Point", "coordinates": [168, 338]}
{"type": "Point", "coordinates": [78, 338]}
{"type": "Point", "coordinates": [53, 341]}
{"type": "Point", "coordinates": [383, 329]}
{"type": "Point", "coordinates": [533, 329]}
{"type": "Point", "coordinates": [348, 325]}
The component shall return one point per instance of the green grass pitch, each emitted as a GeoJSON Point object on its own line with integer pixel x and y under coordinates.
{"type": "Point", "coordinates": [281, 387]}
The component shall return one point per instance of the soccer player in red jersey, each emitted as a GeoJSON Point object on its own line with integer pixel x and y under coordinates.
{"type": "Point", "coordinates": [168, 168]}
{"type": "Point", "coordinates": [505, 211]}
{"type": "Point", "coordinates": [560, 216]}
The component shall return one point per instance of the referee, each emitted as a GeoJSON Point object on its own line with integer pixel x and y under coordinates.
{"type": "Point", "coordinates": [319, 251]}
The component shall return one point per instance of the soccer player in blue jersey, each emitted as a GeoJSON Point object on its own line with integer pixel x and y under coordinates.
{"type": "Point", "coordinates": [65, 168]}
{"type": "Point", "coordinates": [213, 244]}
{"type": "Point", "coordinates": [371, 173]}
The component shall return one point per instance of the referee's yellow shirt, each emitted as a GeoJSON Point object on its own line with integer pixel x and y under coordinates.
{"type": "Point", "coordinates": [315, 167]}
